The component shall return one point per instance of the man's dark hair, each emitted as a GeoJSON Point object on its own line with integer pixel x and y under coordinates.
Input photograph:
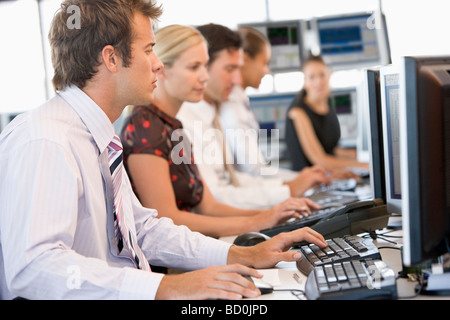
{"type": "Point", "coordinates": [219, 38]}
{"type": "Point", "coordinates": [75, 52]}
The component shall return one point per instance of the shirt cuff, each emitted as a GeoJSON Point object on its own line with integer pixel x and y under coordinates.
{"type": "Point", "coordinates": [214, 253]}
{"type": "Point", "coordinates": [140, 285]}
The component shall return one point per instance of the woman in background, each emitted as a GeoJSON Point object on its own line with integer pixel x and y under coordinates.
{"type": "Point", "coordinates": [150, 137]}
{"type": "Point", "coordinates": [312, 127]}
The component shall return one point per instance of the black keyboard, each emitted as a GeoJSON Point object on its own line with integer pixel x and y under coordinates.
{"type": "Point", "coordinates": [300, 222]}
{"type": "Point", "coordinates": [337, 185]}
{"type": "Point", "coordinates": [333, 197]}
{"type": "Point", "coordinates": [339, 250]}
{"type": "Point", "coordinates": [351, 280]}
{"type": "Point", "coordinates": [329, 200]}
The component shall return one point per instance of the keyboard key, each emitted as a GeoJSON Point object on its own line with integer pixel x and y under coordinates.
{"type": "Point", "coordinates": [329, 272]}
{"type": "Point", "coordinates": [341, 242]}
{"type": "Point", "coordinates": [334, 247]}
{"type": "Point", "coordinates": [359, 269]}
{"type": "Point", "coordinates": [323, 288]}
{"type": "Point", "coordinates": [321, 276]}
{"type": "Point", "coordinates": [343, 255]}
{"type": "Point", "coordinates": [306, 250]}
{"type": "Point", "coordinates": [349, 270]}
{"type": "Point", "coordinates": [328, 251]}
{"type": "Point", "coordinates": [354, 283]}
{"type": "Point", "coordinates": [339, 270]}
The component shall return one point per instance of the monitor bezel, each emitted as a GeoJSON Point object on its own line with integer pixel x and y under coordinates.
{"type": "Point", "coordinates": [376, 145]}
{"type": "Point", "coordinates": [416, 200]}
{"type": "Point", "coordinates": [301, 27]}
{"type": "Point", "coordinates": [394, 205]}
{"type": "Point", "coordinates": [352, 141]}
{"type": "Point", "coordinates": [384, 51]}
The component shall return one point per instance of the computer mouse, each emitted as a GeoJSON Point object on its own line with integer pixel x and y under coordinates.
{"type": "Point", "coordinates": [250, 239]}
{"type": "Point", "coordinates": [262, 285]}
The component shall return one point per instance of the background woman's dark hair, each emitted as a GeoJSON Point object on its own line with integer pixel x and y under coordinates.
{"type": "Point", "coordinates": [313, 58]}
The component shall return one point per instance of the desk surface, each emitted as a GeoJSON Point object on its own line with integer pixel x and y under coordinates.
{"type": "Point", "coordinates": [285, 275]}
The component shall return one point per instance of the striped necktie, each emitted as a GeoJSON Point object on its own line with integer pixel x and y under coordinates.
{"type": "Point", "coordinates": [222, 140]}
{"type": "Point", "coordinates": [122, 233]}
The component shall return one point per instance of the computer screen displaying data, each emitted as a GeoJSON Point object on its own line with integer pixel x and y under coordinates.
{"type": "Point", "coordinates": [358, 40]}
{"type": "Point", "coordinates": [285, 38]}
{"type": "Point", "coordinates": [344, 102]}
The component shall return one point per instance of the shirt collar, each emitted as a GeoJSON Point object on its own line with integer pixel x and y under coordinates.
{"type": "Point", "coordinates": [202, 110]}
{"type": "Point", "coordinates": [238, 94]}
{"type": "Point", "coordinates": [95, 119]}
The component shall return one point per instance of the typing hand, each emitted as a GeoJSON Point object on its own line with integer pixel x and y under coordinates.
{"type": "Point", "coordinates": [306, 179]}
{"type": "Point", "coordinates": [268, 253]}
{"type": "Point", "coordinates": [292, 208]}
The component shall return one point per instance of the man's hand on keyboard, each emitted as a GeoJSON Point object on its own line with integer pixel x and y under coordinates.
{"type": "Point", "coordinates": [268, 253]}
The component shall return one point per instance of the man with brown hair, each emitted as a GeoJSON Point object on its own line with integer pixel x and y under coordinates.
{"type": "Point", "coordinates": [70, 225]}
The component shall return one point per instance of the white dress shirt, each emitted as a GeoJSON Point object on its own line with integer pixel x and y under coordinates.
{"type": "Point", "coordinates": [56, 229]}
{"type": "Point", "coordinates": [254, 191]}
{"type": "Point", "coordinates": [236, 114]}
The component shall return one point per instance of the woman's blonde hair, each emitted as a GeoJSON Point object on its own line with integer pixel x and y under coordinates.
{"type": "Point", "coordinates": [173, 40]}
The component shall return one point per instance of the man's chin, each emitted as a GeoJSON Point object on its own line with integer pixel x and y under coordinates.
{"type": "Point", "coordinates": [146, 100]}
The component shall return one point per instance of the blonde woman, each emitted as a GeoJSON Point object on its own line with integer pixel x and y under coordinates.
{"type": "Point", "coordinates": [176, 190]}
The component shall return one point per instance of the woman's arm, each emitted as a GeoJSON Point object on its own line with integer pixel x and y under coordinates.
{"type": "Point", "coordinates": [151, 178]}
{"type": "Point", "coordinates": [211, 207]}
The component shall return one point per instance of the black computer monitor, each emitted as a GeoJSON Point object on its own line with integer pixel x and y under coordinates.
{"type": "Point", "coordinates": [372, 102]}
{"type": "Point", "coordinates": [286, 39]}
{"type": "Point", "coordinates": [425, 134]}
{"type": "Point", "coordinates": [390, 112]}
{"type": "Point", "coordinates": [353, 40]}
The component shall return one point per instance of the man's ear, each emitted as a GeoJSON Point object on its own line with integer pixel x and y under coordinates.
{"type": "Point", "coordinates": [110, 58]}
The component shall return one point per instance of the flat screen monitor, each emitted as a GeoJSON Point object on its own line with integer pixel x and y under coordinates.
{"type": "Point", "coordinates": [390, 108]}
{"type": "Point", "coordinates": [270, 110]}
{"type": "Point", "coordinates": [425, 133]}
{"type": "Point", "coordinates": [286, 39]}
{"type": "Point", "coordinates": [343, 101]}
{"type": "Point", "coordinates": [353, 40]}
{"type": "Point", "coordinates": [372, 102]}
